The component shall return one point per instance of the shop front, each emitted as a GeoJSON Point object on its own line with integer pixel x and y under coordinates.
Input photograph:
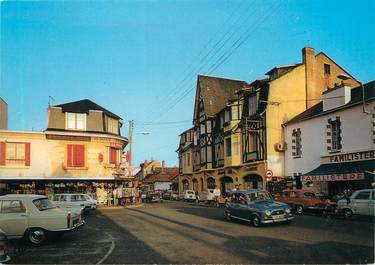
{"type": "Point", "coordinates": [340, 172]}
{"type": "Point", "coordinates": [107, 191]}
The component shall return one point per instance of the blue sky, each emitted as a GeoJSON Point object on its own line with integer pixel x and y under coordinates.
{"type": "Point", "coordinates": [134, 57]}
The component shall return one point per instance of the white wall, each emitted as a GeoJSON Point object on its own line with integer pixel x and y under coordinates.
{"type": "Point", "coordinates": [356, 135]}
{"type": "Point", "coordinates": [162, 185]}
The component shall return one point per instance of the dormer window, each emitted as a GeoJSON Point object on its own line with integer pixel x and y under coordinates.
{"type": "Point", "coordinates": [112, 126]}
{"type": "Point", "coordinates": [75, 121]}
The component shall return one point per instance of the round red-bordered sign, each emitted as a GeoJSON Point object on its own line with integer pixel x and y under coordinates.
{"type": "Point", "coordinates": [269, 173]}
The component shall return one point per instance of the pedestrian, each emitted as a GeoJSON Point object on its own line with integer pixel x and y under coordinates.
{"type": "Point", "coordinates": [217, 194]}
{"type": "Point", "coordinates": [235, 188]}
{"type": "Point", "coordinates": [239, 186]}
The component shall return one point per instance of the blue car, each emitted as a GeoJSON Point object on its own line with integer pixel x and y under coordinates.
{"type": "Point", "coordinates": [257, 207]}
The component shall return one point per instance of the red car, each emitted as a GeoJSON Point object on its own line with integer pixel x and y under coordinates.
{"type": "Point", "coordinates": [302, 200]}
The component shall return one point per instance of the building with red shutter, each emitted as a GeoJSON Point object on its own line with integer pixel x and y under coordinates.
{"type": "Point", "coordinates": [81, 150]}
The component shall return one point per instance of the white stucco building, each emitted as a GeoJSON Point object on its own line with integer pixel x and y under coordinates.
{"type": "Point", "coordinates": [331, 146]}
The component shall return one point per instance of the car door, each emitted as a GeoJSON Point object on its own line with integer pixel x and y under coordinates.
{"type": "Point", "coordinates": [13, 218]}
{"type": "Point", "coordinates": [372, 204]}
{"type": "Point", "coordinates": [360, 202]}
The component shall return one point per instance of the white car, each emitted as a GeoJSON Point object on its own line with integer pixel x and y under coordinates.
{"type": "Point", "coordinates": [189, 195]}
{"type": "Point", "coordinates": [75, 200]}
{"type": "Point", "coordinates": [362, 202]}
{"type": "Point", "coordinates": [34, 217]}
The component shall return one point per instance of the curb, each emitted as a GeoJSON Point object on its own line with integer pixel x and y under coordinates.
{"type": "Point", "coordinates": [119, 207]}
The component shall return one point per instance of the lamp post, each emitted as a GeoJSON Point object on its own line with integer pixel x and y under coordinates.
{"type": "Point", "coordinates": [344, 77]}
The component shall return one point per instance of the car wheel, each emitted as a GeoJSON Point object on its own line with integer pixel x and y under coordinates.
{"type": "Point", "coordinates": [36, 236]}
{"type": "Point", "coordinates": [299, 209]}
{"type": "Point", "coordinates": [227, 216]}
{"type": "Point", "coordinates": [348, 213]}
{"type": "Point", "coordinates": [288, 222]}
{"type": "Point", "coordinates": [255, 220]}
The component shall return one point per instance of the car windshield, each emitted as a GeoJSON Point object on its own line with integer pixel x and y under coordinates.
{"type": "Point", "coordinates": [43, 204]}
{"type": "Point", "coordinates": [259, 196]}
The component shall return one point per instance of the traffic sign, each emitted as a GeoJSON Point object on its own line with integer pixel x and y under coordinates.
{"type": "Point", "coordinates": [269, 174]}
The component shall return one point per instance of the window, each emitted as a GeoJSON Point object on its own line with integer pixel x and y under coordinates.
{"type": "Point", "coordinates": [235, 145]}
{"type": "Point", "coordinates": [253, 105]}
{"type": "Point", "coordinates": [296, 143]}
{"type": "Point", "coordinates": [364, 195]}
{"type": "Point", "coordinates": [12, 207]}
{"type": "Point", "coordinates": [228, 147]}
{"type": "Point", "coordinates": [327, 69]}
{"type": "Point", "coordinates": [77, 198]}
{"type": "Point", "coordinates": [208, 128]}
{"type": "Point", "coordinates": [336, 135]}
{"type": "Point", "coordinates": [227, 115]}
{"type": "Point", "coordinates": [202, 129]}
{"type": "Point", "coordinates": [75, 121]}
{"type": "Point", "coordinates": [203, 155]}
{"type": "Point", "coordinates": [15, 153]}
{"type": "Point", "coordinates": [43, 204]}
{"type": "Point", "coordinates": [112, 125]}
{"type": "Point", "coordinates": [76, 155]}
{"type": "Point", "coordinates": [235, 113]}
{"type": "Point", "coordinates": [113, 156]}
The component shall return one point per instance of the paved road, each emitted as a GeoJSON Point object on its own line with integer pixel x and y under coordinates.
{"type": "Point", "coordinates": [177, 232]}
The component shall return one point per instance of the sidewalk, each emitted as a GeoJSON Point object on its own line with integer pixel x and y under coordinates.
{"type": "Point", "coordinates": [105, 207]}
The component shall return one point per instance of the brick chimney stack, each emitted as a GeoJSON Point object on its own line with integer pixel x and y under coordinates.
{"type": "Point", "coordinates": [313, 93]}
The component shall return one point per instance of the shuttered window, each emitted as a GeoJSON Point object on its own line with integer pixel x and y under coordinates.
{"type": "Point", "coordinates": [113, 155]}
{"type": "Point", "coordinates": [14, 153]}
{"type": "Point", "coordinates": [76, 155]}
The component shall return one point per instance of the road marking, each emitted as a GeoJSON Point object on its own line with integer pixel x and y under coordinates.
{"type": "Point", "coordinates": [109, 251]}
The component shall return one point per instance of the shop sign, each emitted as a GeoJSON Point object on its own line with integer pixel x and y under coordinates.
{"type": "Point", "coordinates": [350, 157]}
{"type": "Point", "coordinates": [334, 177]}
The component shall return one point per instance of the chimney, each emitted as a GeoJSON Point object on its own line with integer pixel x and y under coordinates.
{"type": "Point", "coordinates": [162, 165]}
{"type": "Point", "coordinates": [313, 93]}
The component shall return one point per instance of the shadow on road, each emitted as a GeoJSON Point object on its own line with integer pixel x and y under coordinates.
{"type": "Point", "coordinates": [90, 244]}
{"type": "Point", "coordinates": [268, 250]}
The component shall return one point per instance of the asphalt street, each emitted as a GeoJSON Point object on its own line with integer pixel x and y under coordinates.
{"type": "Point", "coordinates": [179, 232]}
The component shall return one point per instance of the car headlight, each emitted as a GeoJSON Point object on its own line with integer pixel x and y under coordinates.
{"type": "Point", "coordinates": [287, 210]}
{"type": "Point", "coordinates": [268, 213]}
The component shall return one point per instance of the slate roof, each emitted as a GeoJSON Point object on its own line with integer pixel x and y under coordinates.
{"type": "Point", "coordinates": [216, 92]}
{"type": "Point", "coordinates": [84, 106]}
{"type": "Point", "coordinates": [356, 98]}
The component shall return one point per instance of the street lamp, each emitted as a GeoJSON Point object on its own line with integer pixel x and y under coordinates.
{"type": "Point", "coordinates": [344, 77]}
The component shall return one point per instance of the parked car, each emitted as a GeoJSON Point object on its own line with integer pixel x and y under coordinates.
{"type": "Point", "coordinates": [34, 217]}
{"type": "Point", "coordinates": [362, 202]}
{"type": "Point", "coordinates": [75, 200]}
{"type": "Point", "coordinates": [4, 257]}
{"type": "Point", "coordinates": [189, 195]}
{"type": "Point", "coordinates": [302, 200]}
{"type": "Point", "coordinates": [207, 196]}
{"type": "Point", "coordinates": [167, 195]}
{"type": "Point", "coordinates": [257, 207]}
{"type": "Point", "coordinates": [153, 197]}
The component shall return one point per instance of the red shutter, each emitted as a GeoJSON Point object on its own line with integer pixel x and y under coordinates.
{"type": "Point", "coordinates": [70, 155]}
{"type": "Point", "coordinates": [79, 159]}
{"type": "Point", "coordinates": [2, 153]}
{"type": "Point", "coordinates": [112, 155]}
{"type": "Point", "coordinates": [27, 154]}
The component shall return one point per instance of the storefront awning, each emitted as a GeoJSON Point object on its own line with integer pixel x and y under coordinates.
{"type": "Point", "coordinates": [340, 171]}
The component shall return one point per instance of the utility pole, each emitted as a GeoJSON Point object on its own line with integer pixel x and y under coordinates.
{"type": "Point", "coordinates": [131, 125]}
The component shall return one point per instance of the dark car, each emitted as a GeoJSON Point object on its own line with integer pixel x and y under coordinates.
{"type": "Point", "coordinates": [167, 195]}
{"type": "Point", "coordinates": [153, 197]}
{"type": "Point", "coordinates": [257, 207]}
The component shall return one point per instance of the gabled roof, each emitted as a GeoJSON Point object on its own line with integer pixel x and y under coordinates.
{"type": "Point", "coordinates": [84, 106]}
{"type": "Point", "coordinates": [291, 66]}
{"type": "Point", "coordinates": [165, 175]}
{"type": "Point", "coordinates": [215, 92]}
{"type": "Point", "coordinates": [356, 98]}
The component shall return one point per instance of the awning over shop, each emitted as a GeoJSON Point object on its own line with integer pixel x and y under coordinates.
{"type": "Point", "coordinates": [346, 171]}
